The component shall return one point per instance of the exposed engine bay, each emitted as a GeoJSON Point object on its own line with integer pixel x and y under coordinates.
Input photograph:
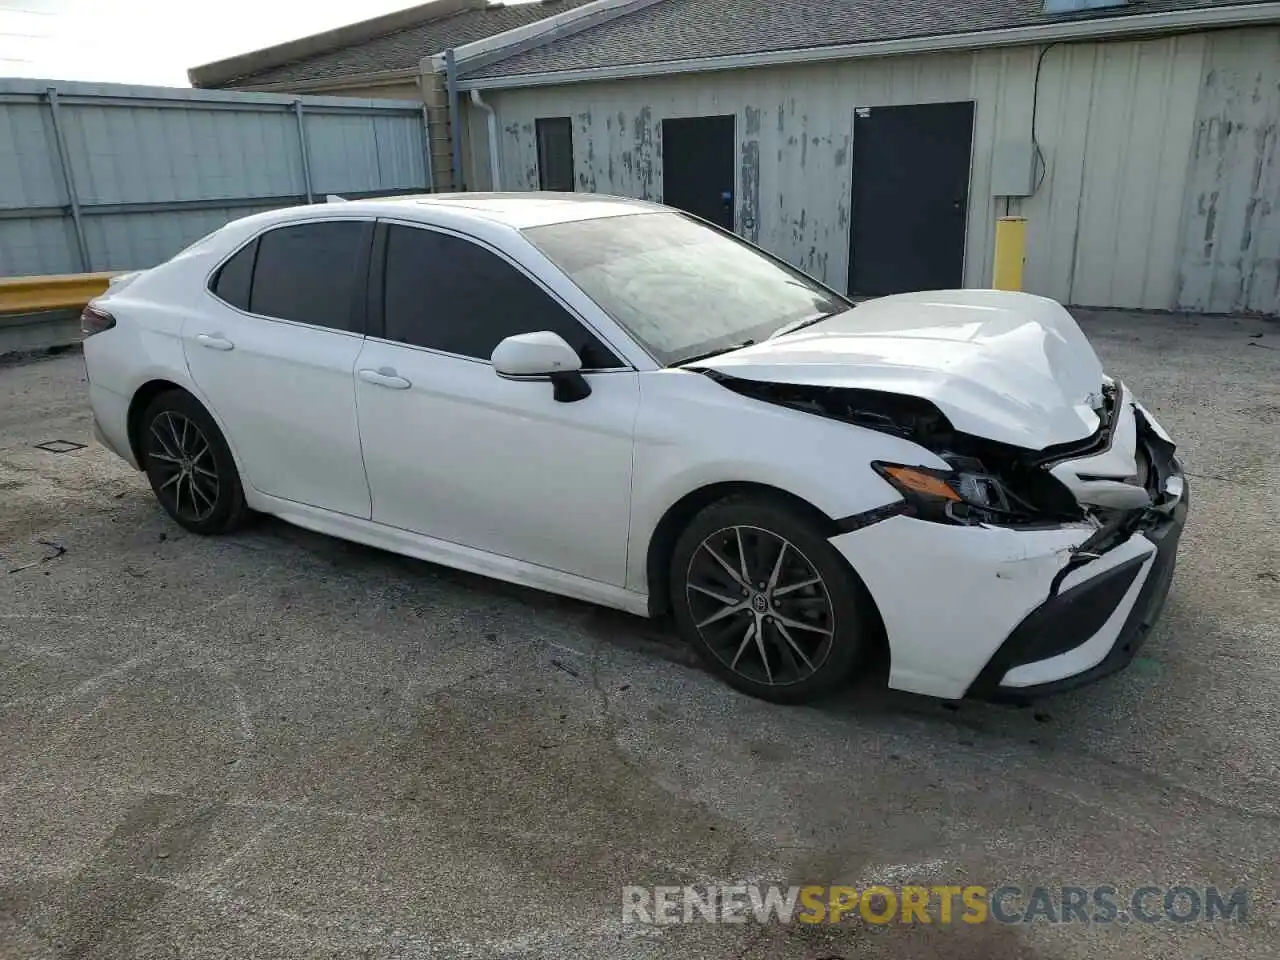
{"type": "Point", "coordinates": [995, 482]}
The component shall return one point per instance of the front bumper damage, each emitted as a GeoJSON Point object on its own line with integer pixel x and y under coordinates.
{"type": "Point", "coordinates": [1066, 631]}
{"type": "Point", "coordinates": [1015, 614]}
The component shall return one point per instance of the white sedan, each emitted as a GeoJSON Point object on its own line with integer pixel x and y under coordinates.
{"type": "Point", "coordinates": [614, 401]}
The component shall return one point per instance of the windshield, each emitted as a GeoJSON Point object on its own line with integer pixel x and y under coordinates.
{"type": "Point", "coordinates": [682, 289]}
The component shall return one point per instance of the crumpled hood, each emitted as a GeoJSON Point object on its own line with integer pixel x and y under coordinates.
{"type": "Point", "coordinates": [1006, 366]}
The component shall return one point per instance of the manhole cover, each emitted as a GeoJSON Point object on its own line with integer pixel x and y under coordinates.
{"type": "Point", "coordinates": [60, 446]}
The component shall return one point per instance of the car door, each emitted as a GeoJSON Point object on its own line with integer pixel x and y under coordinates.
{"type": "Point", "coordinates": [273, 351]}
{"type": "Point", "coordinates": [454, 451]}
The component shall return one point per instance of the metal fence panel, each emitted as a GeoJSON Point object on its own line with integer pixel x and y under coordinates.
{"type": "Point", "coordinates": [110, 176]}
{"type": "Point", "coordinates": [28, 173]}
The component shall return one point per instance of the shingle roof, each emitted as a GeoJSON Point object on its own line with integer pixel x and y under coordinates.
{"type": "Point", "coordinates": [403, 49]}
{"type": "Point", "coordinates": [685, 29]}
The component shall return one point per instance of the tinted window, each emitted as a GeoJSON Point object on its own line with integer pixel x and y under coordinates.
{"type": "Point", "coordinates": [450, 294]}
{"type": "Point", "coordinates": [681, 288]}
{"type": "Point", "coordinates": [232, 281]}
{"type": "Point", "coordinates": [308, 272]}
{"type": "Point", "coordinates": [555, 154]}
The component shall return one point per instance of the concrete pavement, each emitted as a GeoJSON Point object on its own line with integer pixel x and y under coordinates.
{"type": "Point", "coordinates": [280, 745]}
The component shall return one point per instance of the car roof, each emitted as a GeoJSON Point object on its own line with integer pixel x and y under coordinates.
{"type": "Point", "coordinates": [517, 210]}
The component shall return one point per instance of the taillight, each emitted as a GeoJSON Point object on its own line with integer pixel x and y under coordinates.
{"type": "Point", "coordinates": [95, 320]}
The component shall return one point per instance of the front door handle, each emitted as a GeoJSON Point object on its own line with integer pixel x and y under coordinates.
{"type": "Point", "coordinates": [385, 377]}
{"type": "Point", "coordinates": [214, 342]}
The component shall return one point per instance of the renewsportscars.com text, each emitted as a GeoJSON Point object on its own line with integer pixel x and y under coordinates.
{"type": "Point", "coordinates": [1102, 904]}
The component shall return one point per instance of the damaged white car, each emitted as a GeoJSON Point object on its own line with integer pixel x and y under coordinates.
{"type": "Point", "coordinates": [611, 400]}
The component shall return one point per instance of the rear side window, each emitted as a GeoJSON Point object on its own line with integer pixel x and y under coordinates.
{"type": "Point", "coordinates": [233, 279]}
{"type": "Point", "coordinates": [449, 294]}
{"type": "Point", "coordinates": [309, 273]}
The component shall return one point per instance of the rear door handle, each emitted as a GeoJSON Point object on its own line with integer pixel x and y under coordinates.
{"type": "Point", "coordinates": [214, 342]}
{"type": "Point", "coordinates": [385, 377]}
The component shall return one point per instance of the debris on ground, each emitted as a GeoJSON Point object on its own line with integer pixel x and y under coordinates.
{"type": "Point", "coordinates": [54, 545]}
{"type": "Point", "coordinates": [567, 669]}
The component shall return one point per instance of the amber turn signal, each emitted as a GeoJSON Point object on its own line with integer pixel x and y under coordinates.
{"type": "Point", "coordinates": [921, 482]}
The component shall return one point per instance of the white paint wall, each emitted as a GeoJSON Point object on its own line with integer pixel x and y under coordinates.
{"type": "Point", "coordinates": [1231, 225]}
{"type": "Point", "coordinates": [1124, 196]}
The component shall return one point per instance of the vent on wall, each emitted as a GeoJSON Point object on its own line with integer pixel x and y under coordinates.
{"type": "Point", "coordinates": [1076, 6]}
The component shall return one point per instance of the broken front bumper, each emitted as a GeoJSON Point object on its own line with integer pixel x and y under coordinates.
{"type": "Point", "coordinates": [1001, 613]}
{"type": "Point", "coordinates": [1063, 633]}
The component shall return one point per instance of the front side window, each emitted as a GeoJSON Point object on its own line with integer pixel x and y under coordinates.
{"type": "Point", "coordinates": [446, 293]}
{"type": "Point", "coordinates": [309, 272]}
{"type": "Point", "coordinates": [682, 289]}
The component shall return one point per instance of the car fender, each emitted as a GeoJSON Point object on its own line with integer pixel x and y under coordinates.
{"type": "Point", "coordinates": [150, 347]}
{"type": "Point", "coordinates": [692, 433]}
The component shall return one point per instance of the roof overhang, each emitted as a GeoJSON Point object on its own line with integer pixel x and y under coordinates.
{"type": "Point", "coordinates": [382, 78]}
{"type": "Point", "coordinates": [1137, 25]}
{"type": "Point", "coordinates": [226, 71]}
{"type": "Point", "coordinates": [500, 46]}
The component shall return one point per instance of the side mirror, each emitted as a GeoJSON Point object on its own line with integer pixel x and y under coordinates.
{"type": "Point", "coordinates": [535, 355]}
{"type": "Point", "coordinates": [543, 355]}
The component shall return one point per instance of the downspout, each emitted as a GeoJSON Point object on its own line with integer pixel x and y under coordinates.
{"type": "Point", "coordinates": [495, 170]}
{"type": "Point", "coordinates": [455, 118]}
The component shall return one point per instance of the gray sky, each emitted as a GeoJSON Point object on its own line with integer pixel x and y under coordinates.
{"type": "Point", "coordinates": [155, 41]}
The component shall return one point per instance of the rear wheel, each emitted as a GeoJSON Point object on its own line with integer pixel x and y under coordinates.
{"type": "Point", "coordinates": [766, 600]}
{"type": "Point", "coordinates": [190, 466]}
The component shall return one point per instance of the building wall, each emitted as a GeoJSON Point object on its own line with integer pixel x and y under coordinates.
{"type": "Point", "coordinates": [1230, 236]}
{"type": "Point", "coordinates": [1160, 189]}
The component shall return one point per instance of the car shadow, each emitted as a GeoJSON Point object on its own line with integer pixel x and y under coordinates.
{"type": "Point", "coordinates": [866, 699]}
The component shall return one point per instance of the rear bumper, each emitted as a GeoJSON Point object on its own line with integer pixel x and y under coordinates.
{"type": "Point", "coordinates": [111, 422]}
{"type": "Point", "coordinates": [1066, 624]}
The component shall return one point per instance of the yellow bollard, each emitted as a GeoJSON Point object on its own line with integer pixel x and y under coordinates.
{"type": "Point", "coordinates": [1011, 253]}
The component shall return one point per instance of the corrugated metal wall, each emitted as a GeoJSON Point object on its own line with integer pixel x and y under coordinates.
{"type": "Point", "coordinates": [1231, 230]}
{"type": "Point", "coordinates": [1151, 148]}
{"type": "Point", "coordinates": [152, 169]}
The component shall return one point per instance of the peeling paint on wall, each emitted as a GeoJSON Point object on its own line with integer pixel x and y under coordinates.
{"type": "Point", "coordinates": [645, 153]}
{"type": "Point", "coordinates": [748, 220]}
{"type": "Point", "coordinates": [1231, 235]}
{"type": "Point", "coordinates": [1162, 187]}
{"type": "Point", "coordinates": [520, 164]}
{"type": "Point", "coordinates": [586, 172]}
{"type": "Point", "coordinates": [749, 223]}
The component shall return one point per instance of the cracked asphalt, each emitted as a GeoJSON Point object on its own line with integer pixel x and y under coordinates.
{"type": "Point", "coordinates": [279, 745]}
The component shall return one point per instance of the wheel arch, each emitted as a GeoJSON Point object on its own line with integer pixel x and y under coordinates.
{"type": "Point", "coordinates": [678, 516]}
{"type": "Point", "coordinates": [142, 398]}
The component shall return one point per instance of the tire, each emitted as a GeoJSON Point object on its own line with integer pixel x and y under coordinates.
{"type": "Point", "coordinates": [811, 635]}
{"type": "Point", "coordinates": [190, 466]}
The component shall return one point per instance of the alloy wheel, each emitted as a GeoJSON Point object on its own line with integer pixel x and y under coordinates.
{"type": "Point", "coordinates": [180, 453]}
{"type": "Point", "coordinates": [760, 605]}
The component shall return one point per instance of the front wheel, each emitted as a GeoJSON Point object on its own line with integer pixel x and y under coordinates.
{"type": "Point", "coordinates": [190, 465]}
{"type": "Point", "coordinates": [766, 600]}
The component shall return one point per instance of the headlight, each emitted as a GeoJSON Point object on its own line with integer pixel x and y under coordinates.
{"type": "Point", "coordinates": [948, 496]}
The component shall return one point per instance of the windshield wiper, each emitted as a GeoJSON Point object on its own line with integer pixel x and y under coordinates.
{"type": "Point", "coordinates": [801, 324]}
{"type": "Point", "coordinates": [715, 353]}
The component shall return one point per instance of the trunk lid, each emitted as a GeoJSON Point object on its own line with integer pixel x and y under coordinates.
{"type": "Point", "coordinates": [1006, 366]}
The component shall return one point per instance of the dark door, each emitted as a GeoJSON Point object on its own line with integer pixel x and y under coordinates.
{"type": "Point", "coordinates": [697, 167]}
{"type": "Point", "coordinates": [910, 197]}
{"type": "Point", "coordinates": [555, 153]}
